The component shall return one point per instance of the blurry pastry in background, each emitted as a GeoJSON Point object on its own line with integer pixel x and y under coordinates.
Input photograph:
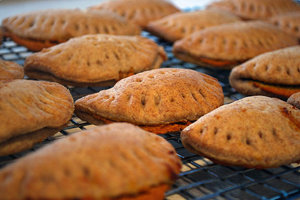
{"type": "Point", "coordinates": [275, 73]}
{"type": "Point", "coordinates": [256, 9]}
{"type": "Point", "coordinates": [97, 60]}
{"type": "Point", "coordinates": [10, 70]}
{"type": "Point", "coordinates": [112, 162]}
{"type": "Point", "coordinates": [228, 45]}
{"type": "Point", "coordinates": [289, 22]}
{"type": "Point", "coordinates": [141, 12]}
{"type": "Point", "coordinates": [159, 100]}
{"type": "Point", "coordinates": [39, 29]}
{"type": "Point", "coordinates": [294, 99]}
{"type": "Point", "coordinates": [253, 132]}
{"type": "Point", "coordinates": [30, 112]}
{"type": "Point", "coordinates": [180, 25]}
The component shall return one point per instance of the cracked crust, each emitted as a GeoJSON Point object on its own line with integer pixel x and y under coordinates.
{"type": "Point", "coordinates": [233, 43]}
{"type": "Point", "coordinates": [41, 29]}
{"type": "Point", "coordinates": [38, 108]}
{"type": "Point", "coordinates": [251, 132]}
{"type": "Point", "coordinates": [156, 97]}
{"type": "Point", "coordinates": [140, 12]}
{"type": "Point", "coordinates": [274, 73]}
{"type": "Point", "coordinates": [256, 9]}
{"type": "Point", "coordinates": [10, 70]}
{"type": "Point", "coordinates": [95, 60]}
{"type": "Point", "coordinates": [116, 161]}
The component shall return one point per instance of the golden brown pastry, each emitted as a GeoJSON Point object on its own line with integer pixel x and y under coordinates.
{"type": "Point", "coordinates": [113, 162]}
{"type": "Point", "coordinates": [180, 25]}
{"type": "Point", "coordinates": [289, 22]}
{"type": "Point", "coordinates": [160, 100]}
{"type": "Point", "coordinates": [140, 12]}
{"type": "Point", "coordinates": [256, 9]}
{"type": "Point", "coordinates": [294, 99]}
{"type": "Point", "coordinates": [275, 73]}
{"type": "Point", "coordinates": [30, 112]}
{"type": "Point", "coordinates": [228, 45]}
{"type": "Point", "coordinates": [10, 70]}
{"type": "Point", "coordinates": [254, 132]}
{"type": "Point", "coordinates": [40, 29]}
{"type": "Point", "coordinates": [95, 60]}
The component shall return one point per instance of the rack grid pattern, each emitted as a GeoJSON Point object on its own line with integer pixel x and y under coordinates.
{"type": "Point", "coordinates": [200, 178]}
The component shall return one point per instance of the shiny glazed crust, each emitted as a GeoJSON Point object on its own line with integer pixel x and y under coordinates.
{"type": "Point", "coordinates": [233, 42]}
{"type": "Point", "coordinates": [112, 161]}
{"type": "Point", "coordinates": [95, 59]}
{"type": "Point", "coordinates": [140, 12]}
{"type": "Point", "coordinates": [10, 70]}
{"type": "Point", "coordinates": [156, 97]}
{"type": "Point", "coordinates": [250, 132]}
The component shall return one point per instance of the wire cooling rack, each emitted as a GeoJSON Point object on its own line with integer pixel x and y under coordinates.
{"type": "Point", "coordinates": [200, 178]}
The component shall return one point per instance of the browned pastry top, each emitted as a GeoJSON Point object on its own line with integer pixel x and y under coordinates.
{"type": "Point", "coordinates": [256, 9]}
{"type": "Point", "coordinates": [159, 96]}
{"type": "Point", "coordinates": [10, 70]}
{"type": "Point", "coordinates": [289, 22]}
{"type": "Point", "coordinates": [258, 132]}
{"type": "Point", "coordinates": [295, 100]}
{"type": "Point", "coordinates": [140, 12]}
{"type": "Point", "coordinates": [62, 24]}
{"type": "Point", "coordinates": [105, 162]}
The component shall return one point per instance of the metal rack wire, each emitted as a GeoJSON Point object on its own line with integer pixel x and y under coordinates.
{"type": "Point", "coordinates": [200, 178]}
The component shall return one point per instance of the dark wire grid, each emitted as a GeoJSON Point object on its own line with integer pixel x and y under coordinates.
{"type": "Point", "coordinates": [200, 178]}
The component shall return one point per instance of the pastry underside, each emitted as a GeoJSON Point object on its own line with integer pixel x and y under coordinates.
{"type": "Point", "coordinates": [250, 132]}
{"type": "Point", "coordinates": [26, 141]}
{"type": "Point", "coordinates": [158, 129]}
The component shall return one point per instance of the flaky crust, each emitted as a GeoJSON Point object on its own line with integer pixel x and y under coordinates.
{"type": "Point", "coordinates": [256, 9]}
{"type": "Point", "coordinates": [28, 106]}
{"type": "Point", "coordinates": [180, 25]}
{"type": "Point", "coordinates": [10, 70]}
{"type": "Point", "coordinates": [112, 161]}
{"type": "Point", "coordinates": [289, 22]}
{"type": "Point", "coordinates": [154, 97]}
{"type": "Point", "coordinates": [95, 59]}
{"type": "Point", "coordinates": [254, 132]}
{"type": "Point", "coordinates": [140, 12]}
{"type": "Point", "coordinates": [233, 42]}
{"type": "Point", "coordinates": [56, 26]}
{"type": "Point", "coordinates": [295, 100]}
{"type": "Point", "coordinates": [280, 68]}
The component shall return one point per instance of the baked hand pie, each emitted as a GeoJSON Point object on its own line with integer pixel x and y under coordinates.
{"type": "Point", "coordinates": [275, 73]}
{"type": "Point", "coordinates": [256, 9]}
{"type": "Point", "coordinates": [140, 12]}
{"type": "Point", "coordinates": [159, 101]}
{"type": "Point", "coordinates": [39, 29]}
{"type": "Point", "coordinates": [97, 60]}
{"type": "Point", "coordinates": [294, 99]}
{"type": "Point", "coordinates": [179, 25]}
{"type": "Point", "coordinates": [10, 70]}
{"type": "Point", "coordinates": [228, 45]}
{"type": "Point", "coordinates": [30, 112]}
{"type": "Point", "coordinates": [113, 162]}
{"type": "Point", "coordinates": [289, 22]}
{"type": "Point", "coordinates": [254, 132]}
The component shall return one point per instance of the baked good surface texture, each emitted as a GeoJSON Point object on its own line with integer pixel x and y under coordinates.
{"type": "Point", "coordinates": [107, 162]}
{"type": "Point", "coordinates": [45, 28]}
{"type": "Point", "coordinates": [289, 22]}
{"type": "Point", "coordinates": [228, 45]}
{"type": "Point", "coordinates": [180, 25]}
{"type": "Point", "coordinates": [275, 73]}
{"type": "Point", "coordinates": [254, 132]}
{"type": "Point", "coordinates": [10, 70]}
{"type": "Point", "coordinates": [256, 9]}
{"type": "Point", "coordinates": [30, 112]}
{"type": "Point", "coordinates": [140, 12]}
{"type": "Point", "coordinates": [95, 60]}
{"type": "Point", "coordinates": [294, 99]}
{"type": "Point", "coordinates": [156, 97]}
